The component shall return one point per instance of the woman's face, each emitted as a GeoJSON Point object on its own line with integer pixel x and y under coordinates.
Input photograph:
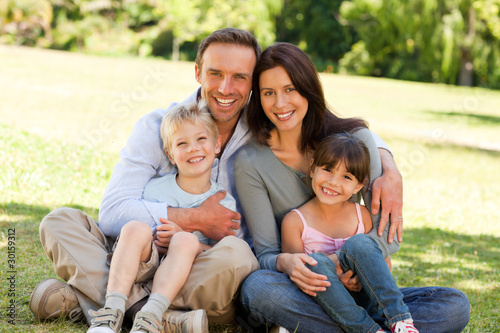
{"type": "Point", "coordinates": [282, 104]}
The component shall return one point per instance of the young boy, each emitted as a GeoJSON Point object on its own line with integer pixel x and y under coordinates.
{"type": "Point", "coordinates": [191, 141]}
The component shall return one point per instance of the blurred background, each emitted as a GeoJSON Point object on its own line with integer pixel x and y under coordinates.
{"type": "Point", "coordinates": [440, 41]}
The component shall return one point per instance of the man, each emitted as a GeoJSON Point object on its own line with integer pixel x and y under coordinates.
{"type": "Point", "coordinates": [79, 247]}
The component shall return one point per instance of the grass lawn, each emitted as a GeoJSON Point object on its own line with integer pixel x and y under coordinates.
{"type": "Point", "coordinates": [64, 117]}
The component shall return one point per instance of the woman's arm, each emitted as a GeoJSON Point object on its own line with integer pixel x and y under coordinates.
{"type": "Point", "coordinates": [257, 209]}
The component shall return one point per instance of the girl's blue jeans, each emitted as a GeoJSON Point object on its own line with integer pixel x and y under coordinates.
{"type": "Point", "coordinates": [270, 297]}
{"type": "Point", "coordinates": [380, 295]}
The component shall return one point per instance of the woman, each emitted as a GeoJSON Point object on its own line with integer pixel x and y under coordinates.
{"type": "Point", "coordinates": [288, 117]}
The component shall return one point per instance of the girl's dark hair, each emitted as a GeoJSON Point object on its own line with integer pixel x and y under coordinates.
{"type": "Point", "coordinates": [346, 148]}
{"type": "Point", "coordinates": [318, 121]}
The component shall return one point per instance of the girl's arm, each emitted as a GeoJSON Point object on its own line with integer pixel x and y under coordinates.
{"type": "Point", "coordinates": [291, 234]}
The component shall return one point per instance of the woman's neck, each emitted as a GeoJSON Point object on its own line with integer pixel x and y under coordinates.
{"type": "Point", "coordinates": [286, 147]}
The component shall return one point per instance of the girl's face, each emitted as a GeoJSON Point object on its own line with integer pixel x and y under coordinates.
{"type": "Point", "coordinates": [334, 185]}
{"type": "Point", "coordinates": [282, 104]}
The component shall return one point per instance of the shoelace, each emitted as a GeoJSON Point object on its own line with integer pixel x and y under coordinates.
{"type": "Point", "coordinates": [404, 327]}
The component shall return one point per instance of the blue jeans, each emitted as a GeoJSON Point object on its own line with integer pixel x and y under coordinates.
{"type": "Point", "coordinates": [271, 297]}
{"type": "Point", "coordinates": [380, 295]}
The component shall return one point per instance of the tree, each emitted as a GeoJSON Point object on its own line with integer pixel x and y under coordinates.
{"type": "Point", "coordinates": [450, 41]}
{"type": "Point", "coordinates": [315, 28]}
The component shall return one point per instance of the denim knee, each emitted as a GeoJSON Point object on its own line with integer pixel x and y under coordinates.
{"type": "Point", "coordinates": [358, 246]}
{"type": "Point", "coordinates": [324, 266]}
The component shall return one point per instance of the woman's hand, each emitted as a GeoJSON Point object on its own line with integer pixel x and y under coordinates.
{"type": "Point", "coordinates": [293, 265]}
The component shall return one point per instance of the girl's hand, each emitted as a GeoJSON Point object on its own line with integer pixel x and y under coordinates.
{"type": "Point", "coordinates": [350, 282]}
{"type": "Point", "coordinates": [293, 265]}
{"type": "Point", "coordinates": [165, 231]}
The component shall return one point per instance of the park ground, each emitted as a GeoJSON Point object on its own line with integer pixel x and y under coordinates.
{"type": "Point", "coordinates": [65, 116]}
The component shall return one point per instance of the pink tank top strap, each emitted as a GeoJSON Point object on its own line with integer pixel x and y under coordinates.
{"type": "Point", "coordinates": [301, 217]}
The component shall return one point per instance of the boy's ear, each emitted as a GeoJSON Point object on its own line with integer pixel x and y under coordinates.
{"type": "Point", "coordinates": [218, 144]}
{"type": "Point", "coordinates": [170, 158]}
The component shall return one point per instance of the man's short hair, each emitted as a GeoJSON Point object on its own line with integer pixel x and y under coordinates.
{"type": "Point", "coordinates": [229, 36]}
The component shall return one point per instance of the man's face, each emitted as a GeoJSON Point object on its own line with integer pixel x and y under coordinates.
{"type": "Point", "coordinates": [226, 79]}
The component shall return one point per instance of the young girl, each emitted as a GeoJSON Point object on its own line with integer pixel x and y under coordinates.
{"type": "Point", "coordinates": [331, 227]}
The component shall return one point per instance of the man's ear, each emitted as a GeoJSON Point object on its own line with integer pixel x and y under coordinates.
{"type": "Point", "coordinates": [197, 75]}
{"type": "Point", "coordinates": [218, 144]}
{"type": "Point", "coordinates": [170, 158]}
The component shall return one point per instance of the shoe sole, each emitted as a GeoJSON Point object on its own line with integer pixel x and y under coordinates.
{"type": "Point", "coordinates": [37, 298]}
{"type": "Point", "coordinates": [200, 318]}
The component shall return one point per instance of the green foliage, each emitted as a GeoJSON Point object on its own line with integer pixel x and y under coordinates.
{"type": "Point", "coordinates": [314, 26]}
{"type": "Point", "coordinates": [437, 41]}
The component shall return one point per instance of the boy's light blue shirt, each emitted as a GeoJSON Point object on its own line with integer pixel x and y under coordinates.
{"type": "Point", "coordinates": [165, 189]}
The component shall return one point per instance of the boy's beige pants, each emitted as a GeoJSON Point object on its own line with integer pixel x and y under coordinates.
{"type": "Point", "coordinates": [78, 249]}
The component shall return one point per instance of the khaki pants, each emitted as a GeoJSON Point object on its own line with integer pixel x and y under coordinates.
{"type": "Point", "coordinates": [78, 249]}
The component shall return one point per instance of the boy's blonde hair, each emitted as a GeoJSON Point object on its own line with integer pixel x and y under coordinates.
{"type": "Point", "coordinates": [175, 118]}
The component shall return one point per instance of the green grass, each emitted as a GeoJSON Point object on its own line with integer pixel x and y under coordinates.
{"type": "Point", "coordinates": [64, 117]}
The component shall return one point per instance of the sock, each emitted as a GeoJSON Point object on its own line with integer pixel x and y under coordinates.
{"type": "Point", "coordinates": [115, 300]}
{"type": "Point", "coordinates": [157, 305]}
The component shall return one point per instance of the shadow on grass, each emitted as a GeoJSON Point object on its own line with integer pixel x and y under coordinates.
{"type": "Point", "coordinates": [470, 263]}
{"type": "Point", "coordinates": [472, 118]}
{"type": "Point", "coordinates": [25, 213]}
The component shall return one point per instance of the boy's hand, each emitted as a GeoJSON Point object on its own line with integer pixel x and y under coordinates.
{"type": "Point", "coordinates": [164, 232]}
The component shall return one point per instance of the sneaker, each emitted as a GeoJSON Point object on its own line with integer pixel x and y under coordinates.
{"type": "Point", "coordinates": [52, 299]}
{"type": "Point", "coordinates": [176, 321]}
{"type": "Point", "coordinates": [146, 322]}
{"type": "Point", "coordinates": [278, 329]}
{"type": "Point", "coordinates": [106, 321]}
{"type": "Point", "coordinates": [404, 326]}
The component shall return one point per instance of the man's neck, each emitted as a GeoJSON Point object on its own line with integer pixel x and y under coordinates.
{"type": "Point", "coordinates": [226, 131]}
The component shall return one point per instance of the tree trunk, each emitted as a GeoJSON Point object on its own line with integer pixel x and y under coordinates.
{"type": "Point", "coordinates": [466, 77]}
{"type": "Point", "coordinates": [175, 49]}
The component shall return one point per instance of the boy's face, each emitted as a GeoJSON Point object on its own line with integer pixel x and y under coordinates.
{"type": "Point", "coordinates": [193, 150]}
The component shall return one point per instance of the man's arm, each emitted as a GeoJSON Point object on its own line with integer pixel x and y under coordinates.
{"type": "Point", "coordinates": [140, 160]}
{"type": "Point", "coordinates": [387, 191]}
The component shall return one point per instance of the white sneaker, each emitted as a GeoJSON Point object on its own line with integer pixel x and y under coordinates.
{"type": "Point", "coordinates": [278, 329]}
{"type": "Point", "coordinates": [404, 326]}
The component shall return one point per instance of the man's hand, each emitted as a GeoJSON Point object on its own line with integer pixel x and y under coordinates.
{"type": "Point", "coordinates": [211, 218]}
{"type": "Point", "coordinates": [294, 266]}
{"type": "Point", "coordinates": [387, 190]}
